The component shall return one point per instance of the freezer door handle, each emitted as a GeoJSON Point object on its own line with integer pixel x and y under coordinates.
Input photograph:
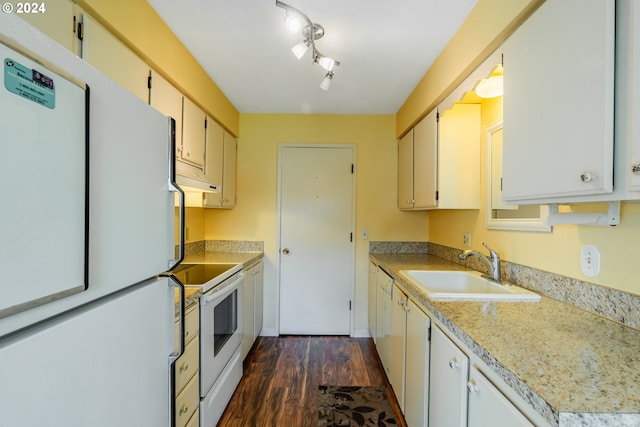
{"type": "Point", "coordinates": [175, 188]}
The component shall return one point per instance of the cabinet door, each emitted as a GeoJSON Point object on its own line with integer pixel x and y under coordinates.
{"type": "Point", "coordinates": [214, 158]}
{"type": "Point", "coordinates": [168, 100]}
{"type": "Point", "coordinates": [459, 132]}
{"type": "Point", "coordinates": [488, 407]}
{"type": "Point", "coordinates": [425, 162]}
{"type": "Point", "coordinates": [258, 300]}
{"type": "Point", "coordinates": [405, 171]}
{"type": "Point", "coordinates": [229, 171]}
{"type": "Point", "coordinates": [372, 300]}
{"type": "Point", "coordinates": [628, 79]}
{"type": "Point", "coordinates": [449, 369]}
{"type": "Point", "coordinates": [105, 52]}
{"type": "Point", "coordinates": [59, 21]}
{"type": "Point", "coordinates": [247, 312]}
{"type": "Point", "coordinates": [558, 102]}
{"type": "Point", "coordinates": [416, 388]}
{"type": "Point", "coordinates": [398, 331]}
{"type": "Point", "coordinates": [193, 134]}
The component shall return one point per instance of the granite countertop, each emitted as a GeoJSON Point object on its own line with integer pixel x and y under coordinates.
{"type": "Point", "coordinates": [192, 294]}
{"type": "Point", "coordinates": [571, 366]}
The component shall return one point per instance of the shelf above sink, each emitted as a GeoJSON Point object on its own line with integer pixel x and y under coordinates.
{"type": "Point", "coordinates": [465, 285]}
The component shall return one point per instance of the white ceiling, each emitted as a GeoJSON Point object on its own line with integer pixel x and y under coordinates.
{"type": "Point", "coordinates": [384, 49]}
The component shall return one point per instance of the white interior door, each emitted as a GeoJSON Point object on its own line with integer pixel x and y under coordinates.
{"type": "Point", "coordinates": [316, 240]}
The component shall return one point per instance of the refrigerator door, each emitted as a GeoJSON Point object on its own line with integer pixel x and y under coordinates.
{"type": "Point", "coordinates": [42, 126]}
{"type": "Point", "coordinates": [131, 208]}
{"type": "Point", "coordinates": [104, 365]}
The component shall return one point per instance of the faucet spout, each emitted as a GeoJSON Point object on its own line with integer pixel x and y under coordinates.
{"type": "Point", "coordinates": [491, 262]}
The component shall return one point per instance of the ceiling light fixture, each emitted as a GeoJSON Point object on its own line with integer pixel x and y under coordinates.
{"type": "Point", "coordinates": [296, 21]}
{"type": "Point", "coordinates": [492, 86]}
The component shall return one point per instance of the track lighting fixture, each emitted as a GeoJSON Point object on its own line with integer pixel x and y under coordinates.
{"type": "Point", "coordinates": [298, 22]}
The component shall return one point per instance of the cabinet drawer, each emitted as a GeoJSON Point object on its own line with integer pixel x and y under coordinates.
{"type": "Point", "coordinates": [187, 364]}
{"type": "Point", "coordinates": [191, 326]}
{"type": "Point", "coordinates": [187, 402]}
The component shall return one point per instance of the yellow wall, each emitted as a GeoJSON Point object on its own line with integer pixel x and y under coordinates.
{"type": "Point", "coordinates": [137, 24]}
{"type": "Point", "coordinates": [255, 215]}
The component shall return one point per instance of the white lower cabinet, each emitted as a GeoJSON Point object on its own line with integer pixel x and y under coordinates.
{"type": "Point", "coordinates": [373, 270]}
{"type": "Point", "coordinates": [252, 306]}
{"type": "Point", "coordinates": [409, 361]}
{"type": "Point", "coordinates": [488, 407]}
{"type": "Point", "coordinates": [397, 354]}
{"type": "Point", "coordinates": [447, 383]}
{"type": "Point", "coordinates": [416, 385]}
{"type": "Point", "coordinates": [461, 395]}
{"type": "Point", "coordinates": [383, 318]}
{"type": "Point", "coordinates": [437, 380]}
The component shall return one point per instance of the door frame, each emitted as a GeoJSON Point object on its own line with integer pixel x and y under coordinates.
{"type": "Point", "coordinates": [353, 149]}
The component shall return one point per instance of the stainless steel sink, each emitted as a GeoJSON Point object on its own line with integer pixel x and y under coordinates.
{"type": "Point", "coordinates": [465, 285]}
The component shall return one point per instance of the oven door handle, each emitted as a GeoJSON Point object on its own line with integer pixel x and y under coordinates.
{"type": "Point", "coordinates": [222, 293]}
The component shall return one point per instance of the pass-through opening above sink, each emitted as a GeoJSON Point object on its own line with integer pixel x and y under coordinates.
{"type": "Point", "coordinates": [465, 285]}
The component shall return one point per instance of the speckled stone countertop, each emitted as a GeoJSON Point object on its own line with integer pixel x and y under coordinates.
{"type": "Point", "coordinates": [192, 294]}
{"type": "Point", "coordinates": [573, 367]}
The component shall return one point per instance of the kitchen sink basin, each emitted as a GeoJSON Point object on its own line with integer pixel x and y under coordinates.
{"type": "Point", "coordinates": [465, 285]}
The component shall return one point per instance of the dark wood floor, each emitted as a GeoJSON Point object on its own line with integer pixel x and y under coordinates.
{"type": "Point", "coordinates": [282, 375]}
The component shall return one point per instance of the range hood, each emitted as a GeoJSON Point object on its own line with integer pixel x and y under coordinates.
{"type": "Point", "coordinates": [193, 179]}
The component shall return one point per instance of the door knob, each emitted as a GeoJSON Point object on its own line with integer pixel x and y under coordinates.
{"type": "Point", "coordinates": [285, 251]}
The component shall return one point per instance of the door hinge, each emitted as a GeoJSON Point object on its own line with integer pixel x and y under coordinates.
{"type": "Point", "coordinates": [437, 195]}
{"type": "Point", "coordinates": [500, 184]}
{"type": "Point", "coordinates": [429, 334]}
{"type": "Point", "coordinates": [349, 305]}
{"type": "Point", "coordinates": [205, 122]}
{"type": "Point", "coordinates": [352, 167]}
{"type": "Point", "coordinates": [351, 237]}
{"type": "Point", "coordinates": [149, 81]}
{"type": "Point", "coordinates": [438, 117]}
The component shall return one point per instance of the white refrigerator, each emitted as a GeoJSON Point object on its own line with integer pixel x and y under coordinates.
{"type": "Point", "coordinates": [86, 233]}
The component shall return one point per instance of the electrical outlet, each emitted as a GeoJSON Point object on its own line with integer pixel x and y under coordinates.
{"type": "Point", "coordinates": [466, 240]}
{"type": "Point", "coordinates": [590, 260]}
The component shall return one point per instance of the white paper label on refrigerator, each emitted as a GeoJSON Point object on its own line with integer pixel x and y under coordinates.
{"type": "Point", "coordinates": [29, 83]}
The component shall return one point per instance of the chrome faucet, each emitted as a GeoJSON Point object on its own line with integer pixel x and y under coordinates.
{"type": "Point", "coordinates": [491, 262]}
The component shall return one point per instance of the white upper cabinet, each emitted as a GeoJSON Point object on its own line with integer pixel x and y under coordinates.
{"type": "Point", "coordinates": [417, 160]}
{"type": "Point", "coordinates": [168, 100]}
{"type": "Point", "coordinates": [439, 161]}
{"type": "Point", "coordinates": [59, 21]}
{"type": "Point", "coordinates": [558, 103]}
{"type": "Point", "coordinates": [193, 134]}
{"type": "Point", "coordinates": [628, 96]}
{"type": "Point", "coordinates": [459, 157]}
{"type": "Point", "coordinates": [105, 52]}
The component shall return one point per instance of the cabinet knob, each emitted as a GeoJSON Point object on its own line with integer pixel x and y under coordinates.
{"type": "Point", "coordinates": [453, 363]}
{"type": "Point", "coordinates": [472, 387]}
{"type": "Point", "coordinates": [400, 302]}
{"type": "Point", "coordinates": [407, 308]}
{"type": "Point", "coordinates": [184, 409]}
{"type": "Point", "coordinates": [586, 177]}
{"type": "Point", "coordinates": [184, 367]}
{"type": "Point", "coordinates": [285, 251]}
{"type": "Point", "coordinates": [635, 168]}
